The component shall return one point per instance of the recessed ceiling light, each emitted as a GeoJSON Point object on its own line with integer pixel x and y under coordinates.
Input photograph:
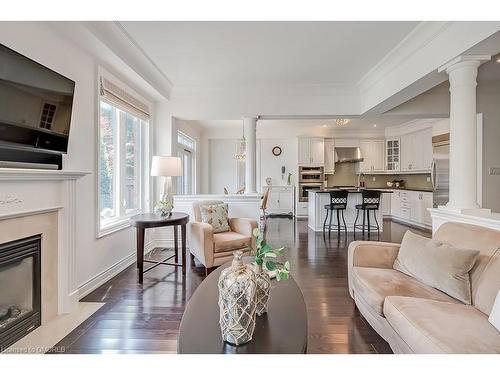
{"type": "Point", "coordinates": [325, 126]}
{"type": "Point", "coordinates": [498, 60]}
{"type": "Point", "coordinates": [374, 125]}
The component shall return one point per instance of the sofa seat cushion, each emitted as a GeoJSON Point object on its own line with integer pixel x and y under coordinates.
{"type": "Point", "coordinates": [441, 327]}
{"type": "Point", "coordinates": [227, 241]}
{"type": "Point", "coordinates": [374, 284]}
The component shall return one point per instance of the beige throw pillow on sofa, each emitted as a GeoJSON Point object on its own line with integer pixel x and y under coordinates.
{"type": "Point", "coordinates": [216, 215]}
{"type": "Point", "coordinates": [438, 265]}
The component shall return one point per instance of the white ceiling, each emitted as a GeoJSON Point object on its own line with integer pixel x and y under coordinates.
{"type": "Point", "coordinates": [229, 54]}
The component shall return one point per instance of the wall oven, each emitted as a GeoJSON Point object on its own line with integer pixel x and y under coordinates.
{"type": "Point", "coordinates": [311, 174]}
{"type": "Point", "coordinates": [305, 187]}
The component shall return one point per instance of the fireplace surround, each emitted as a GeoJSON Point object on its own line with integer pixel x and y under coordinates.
{"type": "Point", "coordinates": [20, 291]}
{"type": "Point", "coordinates": [42, 202]}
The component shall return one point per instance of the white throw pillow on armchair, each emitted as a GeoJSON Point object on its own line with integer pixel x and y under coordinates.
{"type": "Point", "coordinates": [495, 313]}
{"type": "Point", "coordinates": [217, 216]}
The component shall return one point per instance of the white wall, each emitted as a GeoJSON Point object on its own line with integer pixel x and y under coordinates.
{"type": "Point", "coordinates": [270, 165]}
{"type": "Point", "coordinates": [222, 166]}
{"type": "Point", "coordinates": [42, 43]}
{"type": "Point", "coordinates": [219, 166]}
{"type": "Point", "coordinates": [488, 103]}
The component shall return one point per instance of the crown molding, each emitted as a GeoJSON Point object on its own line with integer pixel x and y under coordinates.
{"type": "Point", "coordinates": [479, 59]}
{"type": "Point", "coordinates": [419, 37]}
{"type": "Point", "coordinates": [115, 37]}
{"type": "Point", "coordinates": [317, 90]}
{"type": "Point", "coordinates": [409, 127]}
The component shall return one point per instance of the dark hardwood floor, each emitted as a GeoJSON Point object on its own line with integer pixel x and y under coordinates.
{"type": "Point", "coordinates": [146, 319]}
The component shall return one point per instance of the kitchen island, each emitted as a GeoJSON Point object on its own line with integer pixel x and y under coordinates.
{"type": "Point", "coordinates": [317, 212]}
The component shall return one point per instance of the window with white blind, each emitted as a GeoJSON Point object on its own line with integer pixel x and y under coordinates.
{"type": "Point", "coordinates": [186, 150]}
{"type": "Point", "coordinates": [123, 129]}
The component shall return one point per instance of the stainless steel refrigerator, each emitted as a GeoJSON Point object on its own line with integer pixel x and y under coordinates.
{"type": "Point", "coordinates": [440, 175]}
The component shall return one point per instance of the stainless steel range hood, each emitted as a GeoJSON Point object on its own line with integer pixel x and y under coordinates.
{"type": "Point", "coordinates": [348, 155]}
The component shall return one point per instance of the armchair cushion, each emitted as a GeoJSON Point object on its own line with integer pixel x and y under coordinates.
{"type": "Point", "coordinates": [227, 241]}
{"type": "Point", "coordinates": [242, 225]}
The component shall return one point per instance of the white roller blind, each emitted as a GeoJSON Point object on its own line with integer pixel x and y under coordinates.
{"type": "Point", "coordinates": [122, 99]}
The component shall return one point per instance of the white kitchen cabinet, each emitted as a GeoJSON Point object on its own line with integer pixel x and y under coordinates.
{"type": "Point", "coordinates": [386, 204]}
{"type": "Point", "coordinates": [426, 149]}
{"type": "Point", "coordinates": [405, 204]}
{"type": "Point", "coordinates": [427, 202]}
{"type": "Point", "coordinates": [373, 153]}
{"type": "Point", "coordinates": [304, 151]}
{"type": "Point", "coordinates": [416, 151]}
{"type": "Point", "coordinates": [396, 203]}
{"type": "Point", "coordinates": [311, 151]}
{"type": "Point", "coordinates": [416, 213]}
{"type": "Point", "coordinates": [317, 147]}
{"type": "Point", "coordinates": [411, 207]}
{"type": "Point", "coordinates": [392, 154]}
{"type": "Point", "coordinates": [329, 156]}
{"type": "Point", "coordinates": [280, 200]}
{"type": "Point", "coordinates": [407, 151]}
{"type": "Point", "coordinates": [421, 201]}
{"type": "Point", "coordinates": [301, 209]}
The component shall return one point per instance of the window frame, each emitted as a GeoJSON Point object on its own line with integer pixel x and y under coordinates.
{"type": "Point", "coordinates": [122, 221]}
{"type": "Point", "coordinates": [192, 149]}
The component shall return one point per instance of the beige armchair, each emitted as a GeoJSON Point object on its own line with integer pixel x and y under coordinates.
{"type": "Point", "coordinates": [213, 249]}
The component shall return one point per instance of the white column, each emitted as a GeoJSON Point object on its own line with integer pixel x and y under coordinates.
{"type": "Point", "coordinates": [462, 73]}
{"type": "Point", "coordinates": [250, 131]}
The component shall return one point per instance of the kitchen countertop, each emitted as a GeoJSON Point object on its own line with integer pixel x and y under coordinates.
{"type": "Point", "coordinates": [405, 188]}
{"type": "Point", "coordinates": [351, 191]}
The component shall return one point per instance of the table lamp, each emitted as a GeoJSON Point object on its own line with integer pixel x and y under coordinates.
{"type": "Point", "coordinates": [166, 167]}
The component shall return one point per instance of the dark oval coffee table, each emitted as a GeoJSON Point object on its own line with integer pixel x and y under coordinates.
{"type": "Point", "coordinates": [282, 330]}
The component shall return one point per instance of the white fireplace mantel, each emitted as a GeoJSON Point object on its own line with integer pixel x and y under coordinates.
{"type": "Point", "coordinates": [14, 174]}
{"type": "Point", "coordinates": [25, 192]}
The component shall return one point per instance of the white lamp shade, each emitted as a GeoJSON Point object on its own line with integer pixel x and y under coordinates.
{"type": "Point", "coordinates": [166, 166]}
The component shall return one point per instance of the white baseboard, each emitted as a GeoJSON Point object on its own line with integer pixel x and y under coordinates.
{"type": "Point", "coordinates": [99, 279]}
{"type": "Point", "coordinates": [158, 243]}
{"type": "Point", "coordinates": [410, 223]}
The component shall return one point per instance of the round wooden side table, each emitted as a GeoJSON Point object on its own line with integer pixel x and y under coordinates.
{"type": "Point", "coordinates": [152, 220]}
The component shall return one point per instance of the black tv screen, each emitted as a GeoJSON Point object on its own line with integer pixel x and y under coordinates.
{"type": "Point", "coordinates": [35, 104]}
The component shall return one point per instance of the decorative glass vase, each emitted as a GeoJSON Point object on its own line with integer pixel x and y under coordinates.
{"type": "Point", "coordinates": [164, 208]}
{"type": "Point", "coordinates": [263, 289]}
{"type": "Point", "coordinates": [237, 302]}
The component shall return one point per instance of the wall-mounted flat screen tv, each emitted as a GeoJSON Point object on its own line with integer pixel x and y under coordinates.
{"type": "Point", "coordinates": [35, 104]}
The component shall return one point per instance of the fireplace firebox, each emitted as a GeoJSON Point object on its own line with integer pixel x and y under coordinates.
{"type": "Point", "coordinates": [20, 289]}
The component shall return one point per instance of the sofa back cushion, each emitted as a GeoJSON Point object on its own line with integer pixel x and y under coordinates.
{"type": "Point", "coordinates": [485, 275]}
{"type": "Point", "coordinates": [438, 265]}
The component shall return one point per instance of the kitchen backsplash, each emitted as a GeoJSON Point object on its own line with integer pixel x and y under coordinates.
{"type": "Point", "coordinates": [345, 175]}
{"type": "Point", "coordinates": [415, 181]}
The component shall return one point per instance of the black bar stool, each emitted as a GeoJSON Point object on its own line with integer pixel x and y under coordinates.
{"type": "Point", "coordinates": [338, 202]}
{"type": "Point", "coordinates": [370, 202]}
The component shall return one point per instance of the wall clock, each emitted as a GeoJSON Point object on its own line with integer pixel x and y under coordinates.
{"type": "Point", "coordinates": [276, 151]}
